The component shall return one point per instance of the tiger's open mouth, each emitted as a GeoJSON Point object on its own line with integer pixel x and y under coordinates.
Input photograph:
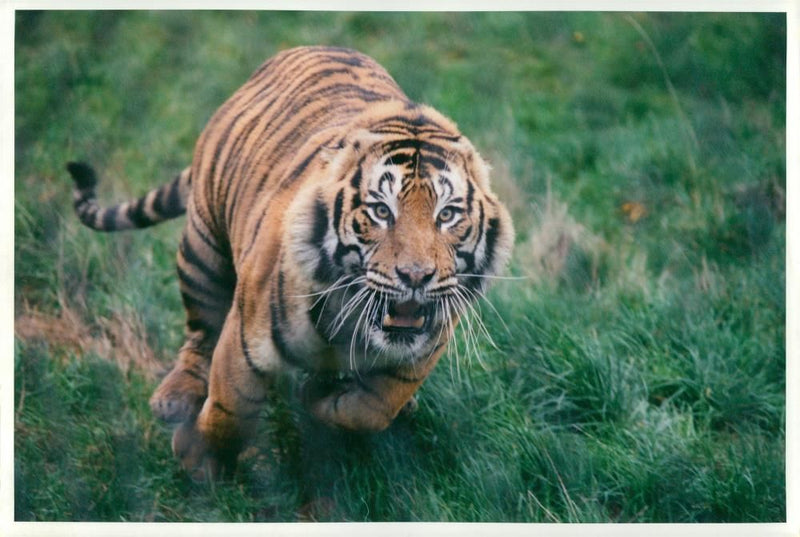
{"type": "Point", "coordinates": [406, 317]}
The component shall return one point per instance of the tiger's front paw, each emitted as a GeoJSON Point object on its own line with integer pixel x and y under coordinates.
{"type": "Point", "coordinates": [344, 404]}
{"type": "Point", "coordinates": [197, 458]}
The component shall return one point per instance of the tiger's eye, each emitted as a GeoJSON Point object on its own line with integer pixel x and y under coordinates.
{"type": "Point", "coordinates": [382, 211]}
{"type": "Point", "coordinates": [446, 215]}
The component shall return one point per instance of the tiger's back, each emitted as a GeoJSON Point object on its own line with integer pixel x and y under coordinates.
{"type": "Point", "coordinates": [258, 141]}
{"type": "Point", "coordinates": [333, 227]}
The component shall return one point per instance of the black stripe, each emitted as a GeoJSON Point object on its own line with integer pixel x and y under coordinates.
{"type": "Point", "coordinates": [445, 137]}
{"type": "Point", "coordinates": [407, 143]}
{"type": "Point", "coordinates": [342, 250]}
{"type": "Point", "coordinates": [220, 278]}
{"type": "Point", "coordinates": [388, 178]}
{"type": "Point", "coordinates": [198, 288]}
{"type": "Point", "coordinates": [481, 221]}
{"type": "Point", "coordinates": [254, 236]}
{"type": "Point", "coordinates": [199, 325]}
{"type": "Point", "coordinates": [137, 215]}
{"type": "Point", "coordinates": [205, 238]}
{"type": "Point", "coordinates": [110, 218]}
{"type": "Point", "coordinates": [436, 162]}
{"type": "Point", "coordinates": [280, 341]}
{"type": "Point", "coordinates": [320, 226]}
{"type": "Point", "coordinates": [163, 192]}
{"type": "Point", "coordinates": [350, 59]}
{"type": "Point", "coordinates": [416, 122]}
{"type": "Point", "coordinates": [492, 232]}
{"type": "Point", "coordinates": [281, 299]}
{"type": "Point", "coordinates": [355, 181]}
{"type": "Point", "coordinates": [300, 168]}
{"type": "Point", "coordinates": [379, 272]}
{"type": "Point", "coordinates": [337, 210]}
{"type": "Point", "coordinates": [470, 195]}
{"type": "Point", "coordinates": [195, 375]}
{"type": "Point", "coordinates": [194, 302]}
{"type": "Point", "coordinates": [469, 260]}
{"type": "Point", "coordinates": [277, 317]}
{"type": "Point", "coordinates": [87, 213]}
{"type": "Point", "coordinates": [397, 159]}
{"type": "Point", "coordinates": [326, 271]}
{"type": "Point", "coordinates": [174, 205]}
{"type": "Point", "coordinates": [222, 409]}
{"type": "Point", "coordinates": [83, 175]}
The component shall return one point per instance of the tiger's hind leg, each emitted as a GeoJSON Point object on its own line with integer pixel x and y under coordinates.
{"type": "Point", "coordinates": [207, 280]}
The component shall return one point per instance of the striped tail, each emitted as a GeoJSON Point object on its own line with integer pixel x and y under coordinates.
{"type": "Point", "coordinates": [160, 204]}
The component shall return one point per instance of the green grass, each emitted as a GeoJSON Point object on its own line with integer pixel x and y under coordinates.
{"type": "Point", "coordinates": [638, 373]}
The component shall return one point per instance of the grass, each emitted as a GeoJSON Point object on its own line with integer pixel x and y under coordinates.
{"type": "Point", "coordinates": [638, 373]}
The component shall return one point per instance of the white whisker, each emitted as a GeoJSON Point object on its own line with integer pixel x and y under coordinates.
{"type": "Point", "coordinates": [346, 309]}
{"type": "Point", "coordinates": [481, 296]}
{"type": "Point", "coordinates": [356, 329]}
{"type": "Point", "coordinates": [472, 320]}
{"type": "Point", "coordinates": [335, 286]}
{"type": "Point", "coordinates": [491, 277]}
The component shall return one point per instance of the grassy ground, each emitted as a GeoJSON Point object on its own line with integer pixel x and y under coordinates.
{"type": "Point", "coordinates": [638, 373]}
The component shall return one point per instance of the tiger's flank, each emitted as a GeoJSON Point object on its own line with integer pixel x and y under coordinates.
{"type": "Point", "coordinates": [333, 228]}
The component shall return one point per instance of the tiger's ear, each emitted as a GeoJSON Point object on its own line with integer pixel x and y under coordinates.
{"type": "Point", "coordinates": [480, 168]}
{"type": "Point", "coordinates": [328, 152]}
{"type": "Point", "coordinates": [358, 141]}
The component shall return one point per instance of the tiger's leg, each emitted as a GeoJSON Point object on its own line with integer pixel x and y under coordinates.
{"type": "Point", "coordinates": [208, 446]}
{"type": "Point", "coordinates": [206, 282]}
{"type": "Point", "coordinates": [181, 393]}
{"type": "Point", "coordinates": [369, 402]}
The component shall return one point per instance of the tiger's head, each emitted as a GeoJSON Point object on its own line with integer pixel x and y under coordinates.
{"type": "Point", "coordinates": [404, 234]}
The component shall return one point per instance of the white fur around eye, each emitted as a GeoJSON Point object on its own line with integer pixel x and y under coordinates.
{"type": "Point", "coordinates": [381, 213]}
{"type": "Point", "coordinates": [384, 184]}
{"type": "Point", "coordinates": [449, 216]}
{"type": "Point", "coordinates": [450, 191]}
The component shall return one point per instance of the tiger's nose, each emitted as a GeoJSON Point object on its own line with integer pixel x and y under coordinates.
{"type": "Point", "coordinates": [415, 276]}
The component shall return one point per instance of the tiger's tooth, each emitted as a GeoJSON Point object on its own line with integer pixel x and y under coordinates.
{"type": "Point", "coordinates": [419, 322]}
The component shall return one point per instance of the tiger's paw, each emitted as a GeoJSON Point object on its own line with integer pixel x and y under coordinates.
{"type": "Point", "coordinates": [179, 397]}
{"type": "Point", "coordinates": [197, 458]}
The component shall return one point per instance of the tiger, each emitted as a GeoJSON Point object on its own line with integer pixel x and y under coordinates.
{"type": "Point", "coordinates": [335, 229]}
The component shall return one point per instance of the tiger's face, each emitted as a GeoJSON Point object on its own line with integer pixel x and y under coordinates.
{"type": "Point", "coordinates": [413, 233]}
